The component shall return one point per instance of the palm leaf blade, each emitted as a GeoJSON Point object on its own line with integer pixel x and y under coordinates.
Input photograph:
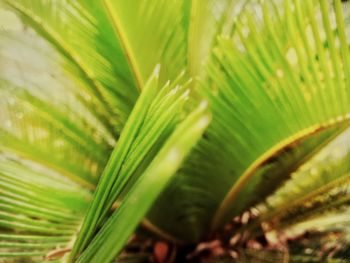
{"type": "Point", "coordinates": [141, 196]}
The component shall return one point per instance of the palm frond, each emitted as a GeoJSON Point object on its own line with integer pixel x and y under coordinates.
{"type": "Point", "coordinates": [275, 73]}
{"type": "Point", "coordinates": [151, 33]}
{"type": "Point", "coordinates": [33, 221]}
{"type": "Point", "coordinates": [269, 87]}
{"type": "Point", "coordinates": [277, 169]}
{"type": "Point", "coordinates": [48, 127]}
{"type": "Point", "coordinates": [150, 123]}
{"type": "Point", "coordinates": [76, 35]}
{"type": "Point", "coordinates": [318, 189]}
{"type": "Point", "coordinates": [299, 79]}
{"type": "Point", "coordinates": [52, 149]}
{"type": "Point", "coordinates": [142, 194]}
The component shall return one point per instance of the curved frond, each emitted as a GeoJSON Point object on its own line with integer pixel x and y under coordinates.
{"type": "Point", "coordinates": [276, 75]}
{"type": "Point", "coordinates": [52, 150]}
{"type": "Point", "coordinates": [319, 188]}
{"type": "Point", "coordinates": [270, 85]}
{"type": "Point", "coordinates": [33, 221]}
{"type": "Point", "coordinates": [78, 36]}
{"type": "Point", "coordinates": [44, 126]}
{"type": "Point", "coordinates": [151, 122]}
{"type": "Point", "coordinates": [290, 96]}
{"type": "Point", "coordinates": [115, 233]}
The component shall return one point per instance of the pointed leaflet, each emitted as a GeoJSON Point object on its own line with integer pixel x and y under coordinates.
{"type": "Point", "coordinates": [114, 234]}
{"type": "Point", "coordinates": [114, 164]}
{"type": "Point", "coordinates": [150, 123]}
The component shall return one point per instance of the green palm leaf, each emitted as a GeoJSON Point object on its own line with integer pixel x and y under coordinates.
{"type": "Point", "coordinates": [34, 222]}
{"type": "Point", "coordinates": [143, 193]}
{"type": "Point", "coordinates": [146, 130]}
{"type": "Point", "coordinates": [318, 188]}
{"type": "Point", "coordinates": [265, 74]}
{"type": "Point", "coordinates": [304, 99]}
{"type": "Point", "coordinates": [65, 24]}
{"type": "Point", "coordinates": [133, 22]}
{"type": "Point", "coordinates": [275, 74]}
{"type": "Point", "coordinates": [31, 127]}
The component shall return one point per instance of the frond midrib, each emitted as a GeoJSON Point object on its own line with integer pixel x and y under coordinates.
{"type": "Point", "coordinates": [125, 44]}
{"type": "Point", "coordinates": [250, 171]}
{"type": "Point", "coordinates": [309, 196]}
